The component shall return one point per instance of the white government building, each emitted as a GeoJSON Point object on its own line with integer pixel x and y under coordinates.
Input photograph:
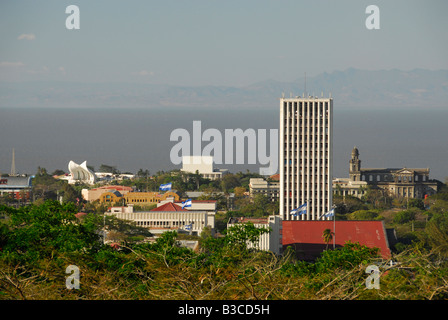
{"type": "Point", "coordinates": [169, 216]}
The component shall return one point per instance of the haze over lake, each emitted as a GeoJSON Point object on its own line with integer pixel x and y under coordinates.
{"type": "Point", "coordinates": [131, 139]}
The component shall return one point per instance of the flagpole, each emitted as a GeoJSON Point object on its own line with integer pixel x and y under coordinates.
{"type": "Point", "coordinates": [334, 230]}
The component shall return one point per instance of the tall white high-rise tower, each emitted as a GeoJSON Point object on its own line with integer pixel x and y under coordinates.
{"type": "Point", "coordinates": [306, 154]}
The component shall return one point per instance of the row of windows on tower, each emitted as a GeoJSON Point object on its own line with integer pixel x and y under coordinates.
{"type": "Point", "coordinates": [310, 204]}
{"type": "Point", "coordinates": [318, 173]}
{"type": "Point", "coordinates": [314, 106]}
{"type": "Point", "coordinates": [307, 180]}
{"type": "Point", "coordinates": [307, 122]}
{"type": "Point", "coordinates": [304, 146]}
{"type": "Point", "coordinates": [322, 195]}
{"type": "Point", "coordinates": [298, 130]}
{"type": "Point", "coordinates": [306, 137]}
{"type": "Point", "coordinates": [303, 192]}
{"type": "Point", "coordinates": [316, 154]}
{"type": "Point", "coordinates": [315, 204]}
{"type": "Point", "coordinates": [308, 162]}
{"type": "Point", "coordinates": [321, 209]}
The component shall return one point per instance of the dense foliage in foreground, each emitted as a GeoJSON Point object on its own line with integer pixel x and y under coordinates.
{"type": "Point", "coordinates": [39, 242]}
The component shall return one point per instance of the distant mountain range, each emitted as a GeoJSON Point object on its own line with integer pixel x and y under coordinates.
{"type": "Point", "coordinates": [351, 88]}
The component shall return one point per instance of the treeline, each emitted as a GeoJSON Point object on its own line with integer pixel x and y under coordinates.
{"type": "Point", "coordinates": [38, 243]}
{"type": "Point", "coordinates": [416, 222]}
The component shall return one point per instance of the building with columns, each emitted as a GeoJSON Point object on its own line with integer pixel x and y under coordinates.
{"type": "Point", "coordinates": [306, 148]}
{"type": "Point", "coordinates": [397, 182]}
{"type": "Point", "coordinates": [167, 217]}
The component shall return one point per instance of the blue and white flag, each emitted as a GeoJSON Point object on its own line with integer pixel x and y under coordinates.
{"type": "Point", "coordinates": [186, 203]}
{"type": "Point", "coordinates": [300, 210]}
{"type": "Point", "coordinates": [165, 187]}
{"type": "Point", "coordinates": [329, 214]}
{"type": "Point", "coordinates": [188, 227]}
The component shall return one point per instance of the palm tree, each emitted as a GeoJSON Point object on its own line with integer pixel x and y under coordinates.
{"type": "Point", "coordinates": [328, 236]}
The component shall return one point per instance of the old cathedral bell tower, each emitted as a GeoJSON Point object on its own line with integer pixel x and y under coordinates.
{"type": "Point", "coordinates": [355, 166]}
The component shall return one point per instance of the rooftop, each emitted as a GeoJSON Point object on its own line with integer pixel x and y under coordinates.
{"type": "Point", "coordinates": [234, 220]}
{"type": "Point", "coordinates": [306, 236]}
{"type": "Point", "coordinates": [169, 207]}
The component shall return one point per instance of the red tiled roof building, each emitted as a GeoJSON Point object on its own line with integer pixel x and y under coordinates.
{"type": "Point", "coordinates": [306, 236]}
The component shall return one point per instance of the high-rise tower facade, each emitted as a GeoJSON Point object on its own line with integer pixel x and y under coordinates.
{"type": "Point", "coordinates": [306, 154]}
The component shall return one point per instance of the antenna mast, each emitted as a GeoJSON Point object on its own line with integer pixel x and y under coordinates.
{"type": "Point", "coordinates": [306, 94]}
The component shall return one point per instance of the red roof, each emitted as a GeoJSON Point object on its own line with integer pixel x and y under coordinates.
{"type": "Point", "coordinates": [118, 188]}
{"type": "Point", "coordinates": [80, 214]}
{"type": "Point", "coordinates": [306, 236]}
{"type": "Point", "coordinates": [169, 206]}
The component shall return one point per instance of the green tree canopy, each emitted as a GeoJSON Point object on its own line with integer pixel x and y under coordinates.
{"type": "Point", "coordinates": [364, 215]}
{"type": "Point", "coordinates": [34, 231]}
{"type": "Point", "coordinates": [405, 215]}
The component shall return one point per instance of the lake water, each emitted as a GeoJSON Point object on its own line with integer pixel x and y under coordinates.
{"type": "Point", "coordinates": [131, 139]}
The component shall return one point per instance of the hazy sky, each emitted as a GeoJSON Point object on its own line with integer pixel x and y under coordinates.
{"type": "Point", "coordinates": [225, 42]}
{"type": "Point", "coordinates": [206, 42]}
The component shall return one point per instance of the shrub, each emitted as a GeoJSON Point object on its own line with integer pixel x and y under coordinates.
{"type": "Point", "coordinates": [364, 215]}
{"type": "Point", "coordinates": [347, 257]}
{"type": "Point", "coordinates": [405, 216]}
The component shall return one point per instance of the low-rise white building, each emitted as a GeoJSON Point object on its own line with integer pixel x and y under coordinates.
{"type": "Point", "coordinates": [167, 217]}
{"type": "Point", "coordinates": [271, 241]}
{"type": "Point", "coordinates": [348, 187]}
{"type": "Point", "coordinates": [207, 206]}
{"type": "Point", "coordinates": [203, 165]}
{"type": "Point", "coordinates": [269, 188]}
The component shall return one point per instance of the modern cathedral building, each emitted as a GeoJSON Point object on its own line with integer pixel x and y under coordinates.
{"type": "Point", "coordinates": [306, 148]}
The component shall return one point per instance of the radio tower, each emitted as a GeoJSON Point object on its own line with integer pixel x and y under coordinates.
{"type": "Point", "coordinates": [13, 164]}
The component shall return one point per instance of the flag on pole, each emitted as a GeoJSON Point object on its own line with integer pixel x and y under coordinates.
{"type": "Point", "coordinates": [300, 210]}
{"type": "Point", "coordinates": [165, 187]}
{"type": "Point", "coordinates": [188, 226]}
{"type": "Point", "coordinates": [186, 203]}
{"type": "Point", "coordinates": [329, 214]}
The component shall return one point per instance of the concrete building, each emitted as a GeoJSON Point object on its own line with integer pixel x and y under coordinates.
{"type": "Point", "coordinates": [111, 197]}
{"type": "Point", "coordinates": [306, 148]}
{"type": "Point", "coordinates": [137, 198]}
{"type": "Point", "coordinates": [147, 198]}
{"type": "Point", "coordinates": [268, 187]}
{"type": "Point", "coordinates": [168, 217]}
{"type": "Point", "coordinates": [230, 197]}
{"type": "Point", "coordinates": [94, 194]}
{"type": "Point", "coordinates": [202, 164]}
{"type": "Point", "coordinates": [208, 206]}
{"type": "Point", "coordinates": [268, 241]}
{"type": "Point", "coordinates": [347, 187]}
{"type": "Point", "coordinates": [397, 182]}
{"type": "Point", "coordinates": [18, 187]}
